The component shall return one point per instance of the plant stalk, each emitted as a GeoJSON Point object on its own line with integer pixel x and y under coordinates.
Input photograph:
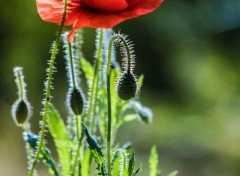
{"type": "Point", "coordinates": [48, 90]}
{"type": "Point", "coordinates": [95, 76]}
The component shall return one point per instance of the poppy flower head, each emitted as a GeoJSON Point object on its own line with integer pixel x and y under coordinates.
{"type": "Point", "coordinates": [94, 13]}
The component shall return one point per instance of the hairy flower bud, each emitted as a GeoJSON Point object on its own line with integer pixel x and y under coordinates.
{"type": "Point", "coordinates": [76, 100]}
{"type": "Point", "coordinates": [127, 86]}
{"type": "Point", "coordinates": [21, 111]}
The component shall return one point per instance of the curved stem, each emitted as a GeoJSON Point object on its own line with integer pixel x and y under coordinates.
{"type": "Point", "coordinates": [48, 90]}
{"type": "Point", "coordinates": [95, 76]}
{"type": "Point", "coordinates": [127, 50]}
{"type": "Point", "coordinates": [109, 123]}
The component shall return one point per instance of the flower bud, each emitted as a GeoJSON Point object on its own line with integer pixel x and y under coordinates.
{"type": "Point", "coordinates": [76, 100]}
{"type": "Point", "coordinates": [21, 112]}
{"type": "Point", "coordinates": [127, 86]}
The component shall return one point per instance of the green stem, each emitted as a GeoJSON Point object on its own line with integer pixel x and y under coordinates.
{"type": "Point", "coordinates": [109, 125]}
{"type": "Point", "coordinates": [94, 110]}
{"type": "Point", "coordinates": [20, 86]}
{"type": "Point", "coordinates": [48, 90]}
{"type": "Point", "coordinates": [28, 147]}
{"type": "Point", "coordinates": [79, 139]}
{"type": "Point", "coordinates": [121, 37]}
{"type": "Point", "coordinates": [95, 76]}
{"type": "Point", "coordinates": [71, 64]}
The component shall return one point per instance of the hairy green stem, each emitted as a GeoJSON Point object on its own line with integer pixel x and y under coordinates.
{"type": "Point", "coordinates": [21, 92]}
{"type": "Point", "coordinates": [125, 43]}
{"type": "Point", "coordinates": [95, 76]}
{"type": "Point", "coordinates": [79, 140]}
{"type": "Point", "coordinates": [71, 64]}
{"type": "Point", "coordinates": [48, 90]}
{"type": "Point", "coordinates": [94, 110]}
{"type": "Point", "coordinates": [109, 123]}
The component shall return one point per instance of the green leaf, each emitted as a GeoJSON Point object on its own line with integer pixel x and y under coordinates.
{"type": "Point", "coordinates": [127, 118]}
{"type": "Point", "coordinates": [45, 153]}
{"type": "Point", "coordinates": [131, 165]}
{"type": "Point", "coordinates": [85, 162]}
{"type": "Point", "coordinates": [119, 163]}
{"type": "Point", "coordinates": [153, 162]}
{"type": "Point", "coordinates": [144, 113]}
{"type": "Point", "coordinates": [58, 131]}
{"type": "Point", "coordinates": [116, 163]}
{"type": "Point", "coordinates": [174, 173]}
{"type": "Point", "coordinates": [96, 151]}
{"type": "Point", "coordinates": [140, 80]}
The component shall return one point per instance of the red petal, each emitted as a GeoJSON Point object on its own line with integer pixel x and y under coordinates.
{"type": "Point", "coordinates": [133, 2]}
{"type": "Point", "coordinates": [52, 11]}
{"type": "Point", "coordinates": [89, 18]}
{"type": "Point", "coordinates": [109, 6]}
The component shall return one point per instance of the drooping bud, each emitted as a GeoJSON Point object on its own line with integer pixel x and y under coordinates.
{"type": "Point", "coordinates": [127, 86]}
{"type": "Point", "coordinates": [21, 112]}
{"type": "Point", "coordinates": [21, 109]}
{"type": "Point", "coordinates": [76, 100]}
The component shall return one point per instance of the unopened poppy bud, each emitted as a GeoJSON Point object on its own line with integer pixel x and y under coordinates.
{"type": "Point", "coordinates": [76, 100]}
{"type": "Point", "coordinates": [127, 86]}
{"type": "Point", "coordinates": [20, 112]}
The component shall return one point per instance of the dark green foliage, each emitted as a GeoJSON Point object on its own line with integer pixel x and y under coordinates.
{"type": "Point", "coordinates": [127, 86]}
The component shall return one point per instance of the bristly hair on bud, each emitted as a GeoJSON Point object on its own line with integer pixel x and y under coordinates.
{"type": "Point", "coordinates": [19, 80]}
{"type": "Point", "coordinates": [71, 63]}
{"type": "Point", "coordinates": [75, 98]}
{"type": "Point", "coordinates": [75, 101]}
{"type": "Point", "coordinates": [127, 86]}
{"type": "Point", "coordinates": [126, 51]}
{"type": "Point", "coordinates": [21, 109]}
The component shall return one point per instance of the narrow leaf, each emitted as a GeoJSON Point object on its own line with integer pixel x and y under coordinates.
{"type": "Point", "coordinates": [45, 153]}
{"type": "Point", "coordinates": [127, 118]}
{"type": "Point", "coordinates": [95, 151]}
{"type": "Point", "coordinates": [58, 131]}
{"type": "Point", "coordinates": [85, 162]}
{"type": "Point", "coordinates": [153, 162]}
{"type": "Point", "coordinates": [131, 165]}
{"type": "Point", "coordinates": [140, 81]}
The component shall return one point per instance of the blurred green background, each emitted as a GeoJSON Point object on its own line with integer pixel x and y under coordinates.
{"type": "Point", "coordinates": [188, 51]}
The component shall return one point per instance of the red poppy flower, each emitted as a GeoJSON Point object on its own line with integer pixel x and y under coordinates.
{"type": "Point", "coordinates": [94, 13]}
